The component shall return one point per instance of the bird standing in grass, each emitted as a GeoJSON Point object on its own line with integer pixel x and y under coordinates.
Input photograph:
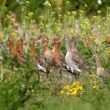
{"type": "Point", "coordinates": [37, 60]}
{"type": "Point", "coordinates": [100, 71]}
{"type": "Point", "coordinates": [20, 50]}
{"type": "Point", "coordinates": [77, 56]}
{"type": "Point", "coordinates": [69, 59]}
{"type": "Point", "coordinates": [12, 49]}
{"type": "Point", "coordinates": [16, 53]}
{"type": "Point", "coordinates": [46, 54]}
{"type": "Point", "coordinates": [58, 59]}
{"type": "Point", "coordinates": [107, 40]}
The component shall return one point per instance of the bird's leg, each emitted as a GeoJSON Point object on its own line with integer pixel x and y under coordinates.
{"type": "Point", "coordinates": [38, 76]}
{"type": "Point", "coordinates": [60, 73]}
{"type": "Point", "coordinates": [47, 71]}
{"type": "Point", "coordinates": [76, 77]}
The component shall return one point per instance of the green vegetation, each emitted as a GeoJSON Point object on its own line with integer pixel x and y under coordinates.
{"type": "Point", "coordinates": [20, 88]}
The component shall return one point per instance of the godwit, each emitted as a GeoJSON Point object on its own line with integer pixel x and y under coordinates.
{"type": "Point", "coordinates": [46, 54]}
{"type": "Point", "coordinates": [37, 60]}
{"type": "Point", "coordinates": [16, 53]}
{"type": "Point", "coordinates": [100, 71]}
{"type": "Point", "coordinates": [77, 56]}
{"type": "Point", "coordinates": [69, 59]}
{"type": "Point", "coordinates": [20, 50]}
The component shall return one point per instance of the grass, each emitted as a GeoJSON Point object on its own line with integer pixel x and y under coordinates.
{"type": "Point", "coordinates": [20, 89]}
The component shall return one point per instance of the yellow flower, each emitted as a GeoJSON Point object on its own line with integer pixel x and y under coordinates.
{"type": "Point", "coordinates": [85, 5]}
{"type": "Point", "coordinates": [41, 17]}
{"type": "Point", "coordinates": [30, 14]}
{"type": "Point", "coordinates": [74, 12]}
{"type": "Point", "coordinates": [75, 83]}
{"type": "Point", "coordinates": [59, 8]}
{"type": "Point", "coordinates": [67, 2]}
{"type": "Point", "coordinates": [68, 93]}
{"type": "Point", "coordinates": [47, 4]}
{"type": "Point", "coordinates": [66, 87]}
{"type": "Point", "coordinates": [95, 87]}
{"type": "Point", "coordinates": [74, 93]}
{"type": "Point", "coordinates": [80, 88]}
{"type": "Point", "coordinates": [27, 2]}
{"type": "Point", "coordinates": [5, 40]}
{"type": "Point", "coordinates": [98, 11]}
{"type": "Point", "coordinates": [81, 11]}
{"type": "Point", "coordinates": [62, 91]}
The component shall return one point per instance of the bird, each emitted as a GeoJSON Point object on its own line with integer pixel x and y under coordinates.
{"type": "Point", "coordinates": [12, 48]}
{"type": "Point", "coordinates": [37, 59]}
{"type": "Point", "coordinates": [78, 58]}
{"type": "Point", "coordinates": [58, 59]}
{"type": "Point", "coordinates": [100, 71]}
{"type": "Point", "coordinates": [46, 54]}
{"type": "Point", "coordinates": [20, 50]}
{"type": "Point", "coordinates": [69, 59]}
{"type": "Point", "coordinates": [16, 53]}
{"type": "Point", "coordinates": [107, 40]}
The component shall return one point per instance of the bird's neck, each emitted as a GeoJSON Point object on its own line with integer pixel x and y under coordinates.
{"type": "Point", "coordinates": [67, 45]}
{"type": "Point", "coordinates": [45, 46]}
{"type": "Point", "coordinates": [98, 61]}
{"type": "Point", "coordinates": [20, 44]}
{"type": "Point", "coordinates": [57, 47]}
{"type": "Point", "coordinates": [11, 45]}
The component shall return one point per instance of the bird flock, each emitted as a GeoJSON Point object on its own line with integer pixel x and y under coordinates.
{"type": "Point", "coordinates": [72, 62]}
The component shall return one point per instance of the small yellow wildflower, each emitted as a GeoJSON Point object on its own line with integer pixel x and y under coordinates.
{"type": "Point", "coordinates": [95, 87]}
{"type": "Point", "coordinates": [30, 14]}
{"type": "Point", "coordinates": [75, 83]}
{"type": "Point", "coordinates": [41, 17]}
{"type": "Point", "coordinates": [27, 2]}
{"type": "Point", "coordinates": [67, 2]}
{"type": "Point", "coordinates": [80, 88]}
{"type": "Point", "coordinates": [74, 93]}
{"type": "Point", "coordinates": [66, 87]}
{"type": "Point", "coordinates": [47, 4]}
{"type": "Point", "coordinates": [62, 91]}
{"type": "Point", "coordinates": [98, 11]}
{"type": "Point", "coordinates": [81, 11]}
{"type": "Point", "coordinates": [73, 12]}
{"type": "Point", "coordinates": [59, 8]}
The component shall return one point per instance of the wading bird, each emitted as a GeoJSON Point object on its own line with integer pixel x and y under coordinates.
{"type": "Point", "coordinates": [46, 54]}
{"type": "Point", "coordinates": [16, 53]}
{"type": "Point", "coordinates": [100, 71]}
{"type": "Point", "coordinates": [69, 59]}
{"type": "Point", "coordinates": [37, 59]}
{"type": "Point", "coordinates": [58, 59]}
{"type": "Point", "coordinates": [77, 56]}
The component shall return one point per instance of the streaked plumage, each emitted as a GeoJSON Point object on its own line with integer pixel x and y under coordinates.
{"type": "Point", "coordinates": [69, 59]}
{"type": "Point", "coordinates": [37, 59]}
{"type": "Point", "coordinates": [100, 71]}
